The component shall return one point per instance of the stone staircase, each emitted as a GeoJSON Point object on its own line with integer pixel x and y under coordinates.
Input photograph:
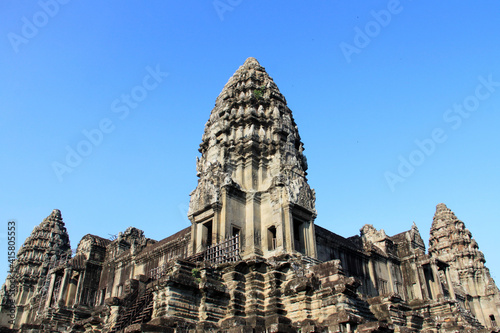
{"type": "Point", "coordinates": [139, 312]}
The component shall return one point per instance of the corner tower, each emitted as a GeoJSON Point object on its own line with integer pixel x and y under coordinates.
{"type": "Point", "coordinates": [252, 172]}
{"type": "Point", "coordinates": [48, 243]}
{"type": "Point", "coordinates": [451, 242]}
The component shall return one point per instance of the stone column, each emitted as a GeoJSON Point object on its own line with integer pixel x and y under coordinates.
{"type": "Point", "coordinates": [64, 286]}
{"type": "Point", "coordinates": [225, 232]}
{"type": "Point", "coordinates": [252, 225]}
{"type": "Point", "coordinates": [79, 288]}
{"type": "Point", "coordinates": [418, 290]}
{"type": "Point", "coordinates": [217, 230]}
{"type": "Point", "coordinates": [261, 174]}
{"type": "Point", "coordinates": [249, 225]}
{"type": "Point", "coordinates": [51, 290]}
{"type": "Point", "coordinates": [116, 279]}
{"type": "Point", "coordinates": [198, 237]}
{"type": "Point", "coordinates": [389, 274]}
{"type": "Point", "coordinates": [288, 244]}
{"type": "Point", "coordinates": [194, 233]}
{"type": "Point", "coordinates": [448, 280]}
{"type": "Point", "coordinates": [425, 286]}
{"type": "Point", "coordinates": [312, 238]}
{"type": "Point", "coordinates": [371, 271]}
{"type": "Point", "coordinates": [279, 219]}
{"type": "Point", "coordinates": [257, 223]}
{"type": "Point", "coordinates": [437, 283]}
{"type": "Point", "coordinates": [239, 177]}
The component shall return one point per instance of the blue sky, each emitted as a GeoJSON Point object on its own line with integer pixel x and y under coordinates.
{"type": "Point", "coordinates": [396, 103]}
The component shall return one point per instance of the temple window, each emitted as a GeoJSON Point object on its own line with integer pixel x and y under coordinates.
{"type": "Point", "coordinates": [298, 236]}
{"type": "Point", "coordinates": [236, 231]}
{"type": "Point", "coordinates": [382, 286]}
{"type": "Point", "coordinates": [271, 238]}
{"type": "Point", "coordinates": [207, 234]}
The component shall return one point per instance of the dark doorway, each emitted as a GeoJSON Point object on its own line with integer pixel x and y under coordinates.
{"type": "Point", "coordinates": [207, 234]}
{"type": "Point", "coordinates": [271, 238]}
{"type": "Point", "coordinates": [298, 236]}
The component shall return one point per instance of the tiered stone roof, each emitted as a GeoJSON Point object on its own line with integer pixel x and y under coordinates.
{"type": "Point", "coordinates": [451, 242]}
{"type": "Point", "coordinates": [251, 124]}
{"type": "Point", "coordinates": [47, 242]}
{"type": "Point", "coordinates": [449, 236]}
{"type": "Point", "coordinates": [251, 112]}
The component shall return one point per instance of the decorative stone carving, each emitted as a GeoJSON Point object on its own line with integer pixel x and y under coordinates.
{"type": "Point", "coordinates": [301, 194]}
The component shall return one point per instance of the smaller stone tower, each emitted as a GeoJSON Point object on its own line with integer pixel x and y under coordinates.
{"type": "Point", "coordinates": [252, 172]}
{"type": "Point", "coordinates": [451, 242]}
{"type": "Point", "coordinates": [47, 243]}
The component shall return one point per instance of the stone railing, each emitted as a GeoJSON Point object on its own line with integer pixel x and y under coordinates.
{"type": "Point", "coordinates": [158, 272]}
{"type": "Point", "coordinates": [225, 251]}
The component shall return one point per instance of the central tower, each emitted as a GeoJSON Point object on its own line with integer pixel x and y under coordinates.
{"type": "Point", "coordinates": [252, 172]}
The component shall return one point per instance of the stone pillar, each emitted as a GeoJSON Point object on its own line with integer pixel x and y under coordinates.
{"type": "Point", "coordinates": [256, 203]}
{"type": "Point", "coordinates": [224, 226]}
{"type": "Point", "coordinates": [51, 290]}
{"type": "Point", "coordinates": [261, 175]}
{"type": "Point", "coordinates": [116, 279]}
{"type": "Point", "coordinates": [239, 177]}
{"type": "Point", "coordinates": [371, 271]}
{"type": "Point", "coordinates": [194, 233]}
{"type": "Point", "coordinates": [288, 244]}
{"type": "Point", "coordinates": [312, 238]}
{"type": "Point", "coordinates": [448, 280]}
{"type": "Point", "coordinates": [418, 290]}
{"type": "Point", "coordinates": [217, 230]}
{"type": "Point", "coordinates": [249, 225]}
{"type": "Point", "coordinates": [279, 219]}
{"type": "Point", "coordinates": [250, 174]}
{"type": "Point", "coordinates": [64, 286]}
{"type": "Point", "coordinates": [389, 274]}
{"type": "Point", "coordinates": [79, 288]}
{"type": "Point", "coordinates": [198, 238]}
{"type": "Point", "coordinates": [252, 225]}
{"type": "Point", "coordinates": [424, 286]}
{"type": "Point", "coordinates": [437, 283]}
{"type": "Point", "coordinates": [471, 282]}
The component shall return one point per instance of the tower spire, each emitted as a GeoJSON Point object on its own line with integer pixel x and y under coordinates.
{"type": "Point", "coordinates": [450, 241]}
{"type": "Point", "coordinates": [448, 234]}
{"type": "Point", "coordinates": [251, 120]}
{"type": "Point", "coordinates": [48, 242]}
{"type": "Point", "coordinates": [251, 147]}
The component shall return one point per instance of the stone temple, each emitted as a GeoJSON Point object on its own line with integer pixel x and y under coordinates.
{"type": "Point", "coordinates": [253, 260]}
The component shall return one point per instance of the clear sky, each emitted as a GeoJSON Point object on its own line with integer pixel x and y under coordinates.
{"type": "Point", "coordinates": [396, 102]}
